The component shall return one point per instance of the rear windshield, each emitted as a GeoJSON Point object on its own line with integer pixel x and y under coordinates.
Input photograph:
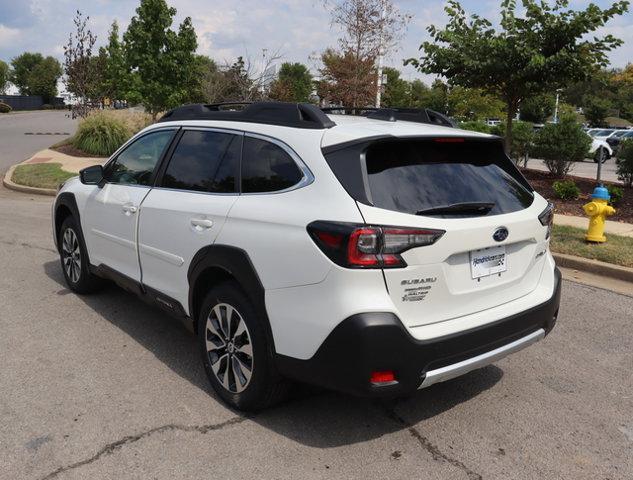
{"type": "Point", "coordinates": [414, 175]}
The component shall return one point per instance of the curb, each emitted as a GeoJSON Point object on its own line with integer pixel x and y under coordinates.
{"type": "Point", "coordinates": [6, 181]}
{"type": "Point", "coordinates": [594, 266]}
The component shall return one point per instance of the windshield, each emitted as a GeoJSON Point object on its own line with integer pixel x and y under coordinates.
{"type": "Point", "coordinates": [601, 133]}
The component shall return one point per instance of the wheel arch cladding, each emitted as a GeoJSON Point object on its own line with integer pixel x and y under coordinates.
{"type": "Point", "coordinates": [65, 206]}
{"type": "Point", "coordinates": [218, 263]}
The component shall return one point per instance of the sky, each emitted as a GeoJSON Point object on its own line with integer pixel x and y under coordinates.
{"type": "Point", "coordinates": [298, 29]}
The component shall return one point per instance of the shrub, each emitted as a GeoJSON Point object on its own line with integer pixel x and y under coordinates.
{"type": "Point", "coordinates": [4, 108]}
{"type": "Point", "coordinates": [561, 144]}
{"type": "Point", "coordinates": [101, 135]}
{"type": "Point", "coordinates": [47, 106]}
{"type": "Point", "coordinates": [616, 194]}
{"type": "Point", "coordinates": [476, 126]}
{"type": "Point", "coordinates": [522, 140]}
{"type": "Point", "coordinates": [566, 190]}
{"type": "Point", "coordinates": [624, 163]}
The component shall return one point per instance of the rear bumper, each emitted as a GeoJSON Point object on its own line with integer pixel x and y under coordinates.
{"type": "Point", "coordinates": [370, 342]}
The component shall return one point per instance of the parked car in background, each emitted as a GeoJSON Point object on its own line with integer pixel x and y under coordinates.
{"type": "Point", "coordinates": [600, 150]}
{"type": "Point", "coordinates": [615, 140]}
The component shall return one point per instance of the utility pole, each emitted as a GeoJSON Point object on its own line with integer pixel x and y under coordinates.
{"type": "Point", "coordinates": [380, 54]}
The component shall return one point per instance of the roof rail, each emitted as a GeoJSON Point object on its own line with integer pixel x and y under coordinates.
{"type": "Point", "coordinates": [298, 115]}
{"type": "Point", "coordinates": [418, 115]}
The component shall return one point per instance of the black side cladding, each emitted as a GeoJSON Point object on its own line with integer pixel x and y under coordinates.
{"type": "Point", "coordinates": [297, 115]}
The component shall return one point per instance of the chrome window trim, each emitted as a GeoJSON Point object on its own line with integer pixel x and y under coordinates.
{"type": "Point", "coordinates": [306, 179]}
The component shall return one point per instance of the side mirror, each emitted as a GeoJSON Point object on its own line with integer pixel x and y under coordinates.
{"type": "Point", "coordinates": [91, 175]}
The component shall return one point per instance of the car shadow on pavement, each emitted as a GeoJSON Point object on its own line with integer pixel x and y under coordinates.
{"type": "Point", "coordinates": [311, 416]}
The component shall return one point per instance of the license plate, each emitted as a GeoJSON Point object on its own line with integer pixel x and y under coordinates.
{"type": "Point", "coordinates": [488, 261]}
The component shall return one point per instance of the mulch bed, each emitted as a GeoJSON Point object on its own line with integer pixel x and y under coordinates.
{"type": "Point", "coordinates": [70, 149]}
{"type": "Point", "coordinates": [542, 183]}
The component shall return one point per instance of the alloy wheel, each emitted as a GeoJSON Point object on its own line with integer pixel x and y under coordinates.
{"type": "Point", "coordinates": [71, 255]}
{"type": "Point", "coordinates": [229, 347]}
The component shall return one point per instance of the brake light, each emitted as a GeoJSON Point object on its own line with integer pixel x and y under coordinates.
{"type": "Point", "coordinates": [356, 246]}
{"type": "Point", "coordinates": [449, 140]}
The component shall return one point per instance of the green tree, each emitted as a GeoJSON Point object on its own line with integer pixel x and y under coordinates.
{"type": "Point", "coordinates": [162, 61]}
{"type": "Point", "coordinates": [624, 163]}
{"type": "Point", "coordinates": [596, 111]}
{"type": "Point", "coordinates": [4, 76]}
{"type": "Point", "coordinates": [561, 144]}
{"type": "Point", "coordinates": [537, 109]}
{"type": "Point", "coordinates": [293, 84]}
{"type": "Point", "coordinates": [116, 75]}
{"type": "Point", "coordinates": [473, 104]}
{"type": "Point", "coordinates": [539, 51]}
{"type": "Point", "coordinates": [397, 90]}
{"type": "Point", "coordinates": [22, 67]}
{"type": "Point", "coordinates": [43, 79]}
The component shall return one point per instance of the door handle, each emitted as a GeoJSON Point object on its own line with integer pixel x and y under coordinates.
{"type": "Point", "coordinates": [201, 224]}
{"type": "Point", "coordinates": [129, 209]}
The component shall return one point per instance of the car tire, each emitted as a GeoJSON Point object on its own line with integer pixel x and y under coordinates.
{"type": "Point", "coordinates": [601, 154]}
{"type": "Point", "coordinates": [74, 259]}
{"type": "Point", "coordinates": [236, 354]}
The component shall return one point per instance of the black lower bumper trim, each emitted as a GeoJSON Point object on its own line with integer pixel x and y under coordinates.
{"type": "Point", "coordinates": [369, 342]}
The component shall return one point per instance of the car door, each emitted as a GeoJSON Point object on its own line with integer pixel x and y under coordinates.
{"type": "Point", "coordinates": [111, 212]}
{"type": "Point", "coordinates": [188, 207]}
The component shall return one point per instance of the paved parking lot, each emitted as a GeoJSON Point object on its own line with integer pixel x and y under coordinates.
{"type": "Point", "coordinates": [105, 387]}
{"type": "Point", "coordinates": [24, 133]}
{"type": "Point", "coordinates": [586, 168]}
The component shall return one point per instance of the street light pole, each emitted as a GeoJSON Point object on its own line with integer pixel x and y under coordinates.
{"type": "Point", "coordinates": [380, 55]}
{"type": "Point", "coordinates": [556, 107]}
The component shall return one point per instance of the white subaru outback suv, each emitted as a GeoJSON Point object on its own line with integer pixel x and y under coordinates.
{"type": "Point", "coordinates": [374, 254]}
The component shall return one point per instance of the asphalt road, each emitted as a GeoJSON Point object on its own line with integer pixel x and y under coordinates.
{"type": "Point", "coordinates": [106, 387]}
{"type": "Point", "coordinates": [24, 133]}
{"type": "Point", "coordinates": [586, 168]}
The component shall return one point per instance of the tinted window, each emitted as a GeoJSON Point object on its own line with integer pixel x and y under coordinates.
{"type": "Point", "coordinates": [135, 164]}
{"type": "Point", "coordinates": [204, 162]}
{"type": "Point", "coordinates": [414, 175]}
{"type": "Point", "coordinates": [266, 167]}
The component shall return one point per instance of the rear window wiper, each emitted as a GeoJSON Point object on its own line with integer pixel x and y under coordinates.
{"type": "Point", "coordinates": [463, 208]}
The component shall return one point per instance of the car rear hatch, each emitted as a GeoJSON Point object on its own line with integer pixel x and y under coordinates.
{"type": "Point", "coordinates": [493, 245]}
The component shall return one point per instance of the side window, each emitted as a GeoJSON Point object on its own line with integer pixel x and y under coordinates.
{"type": "Point", "coordinates": [135, 164]}
{"type": "Point", "coordinates": [204, 161]}
{"type": "Point", "coordinates": [266, 167]}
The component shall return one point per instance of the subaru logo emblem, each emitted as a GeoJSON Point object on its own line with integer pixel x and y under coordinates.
{"type": "Point", "coordinates": [500, 234]}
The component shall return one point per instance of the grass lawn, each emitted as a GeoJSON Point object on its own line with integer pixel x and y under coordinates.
{"type": "Point", "coordinates": [42, 175]}
{"type": "Point", "coordinates": [617, 250]}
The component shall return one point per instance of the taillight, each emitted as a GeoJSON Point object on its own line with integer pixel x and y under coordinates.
{"type": "Point", "coordinates": [547, 219]}
{"type": "Point", "coordinates": [356, 246]}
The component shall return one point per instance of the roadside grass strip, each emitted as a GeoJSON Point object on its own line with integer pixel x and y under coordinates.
{"type": "Point", "coordinates": [41, 175]}
{"type": "Point", "coordinates": [571, 241]}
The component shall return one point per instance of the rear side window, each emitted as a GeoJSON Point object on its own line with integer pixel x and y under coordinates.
{"type": "Point", "coordinates": [204, 161]}
{"type": "Point", "coordinates": [414, 175]}
{"type": "Point", "coordinates": [266, 167]}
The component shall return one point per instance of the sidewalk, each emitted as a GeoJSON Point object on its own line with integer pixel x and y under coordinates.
{"type": "Point", "coordinates": [614, 228]}
{"type": "Point", "coordinates": [69, 163]}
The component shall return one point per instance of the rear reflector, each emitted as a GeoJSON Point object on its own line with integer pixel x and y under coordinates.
{"type": "Point", "coordinates": [382, 378]}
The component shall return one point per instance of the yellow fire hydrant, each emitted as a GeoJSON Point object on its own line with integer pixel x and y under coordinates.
{"type": "Point", "coordinates": [598, 210]}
